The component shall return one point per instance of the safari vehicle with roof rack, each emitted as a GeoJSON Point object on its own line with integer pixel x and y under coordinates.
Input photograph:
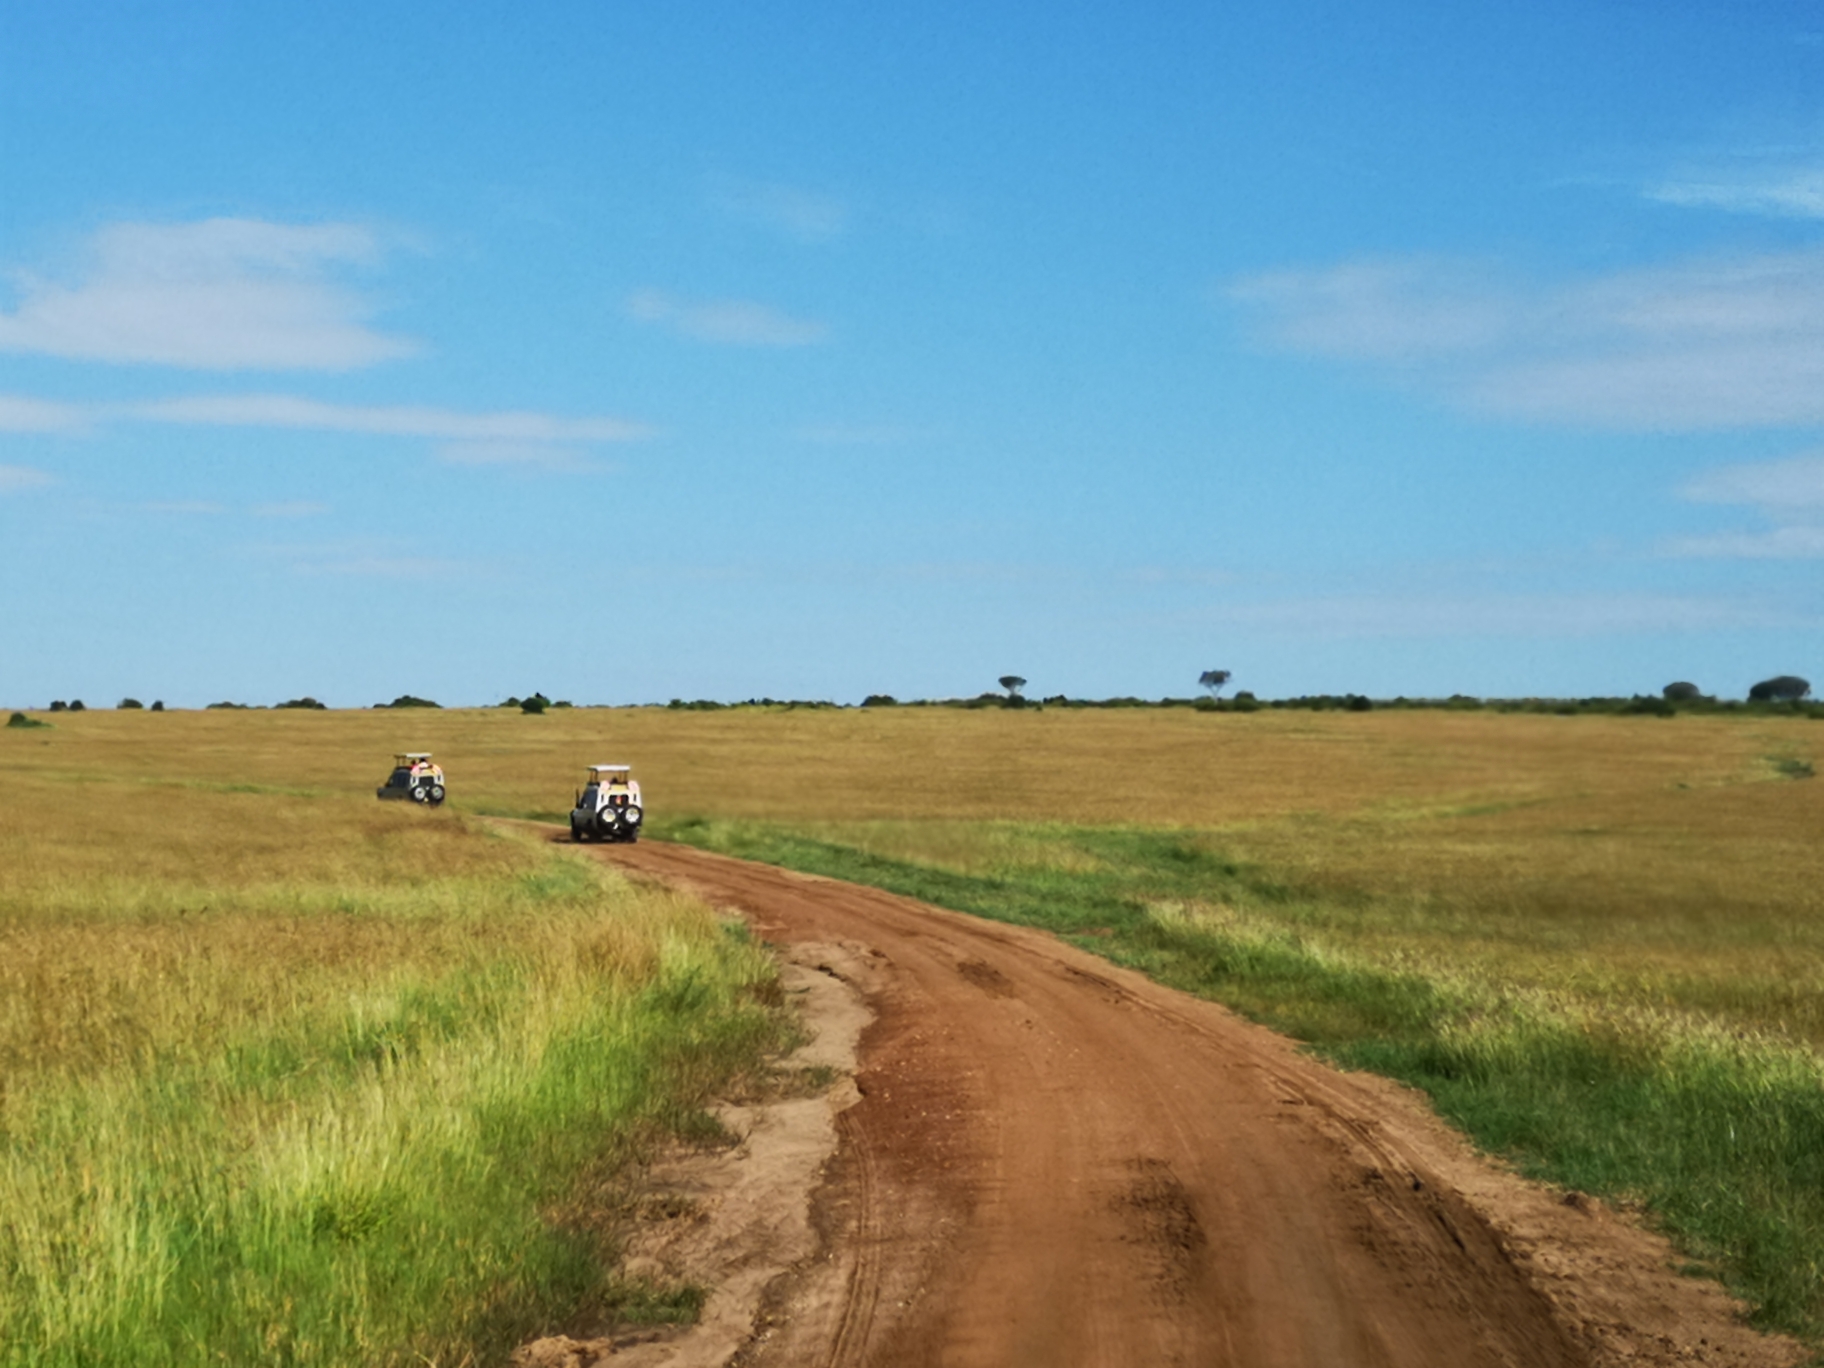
{"type": "Point", "coordinates": [414, 777]}
{"type": "Point", "coordinates": [608, 807]}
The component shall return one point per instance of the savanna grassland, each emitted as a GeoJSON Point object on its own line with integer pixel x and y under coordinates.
{"type": "Point", "coordinates": [1596, 941]}
{"type": "Point", "coordinates": [291, 1076]}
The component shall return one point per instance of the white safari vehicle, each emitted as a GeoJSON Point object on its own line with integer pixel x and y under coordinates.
{"type": "Point", "coordinates": [414, 777]}
{"type": "Point", "coordinates": [608, 808]}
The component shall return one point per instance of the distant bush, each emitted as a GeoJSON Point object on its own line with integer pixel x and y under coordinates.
{"type": "Point", "coordinates": [407, 701]}
{"type": "Point", "coordinates": [1681, 691]}
{"type": "Point", "coordinates": [702, 705]}
{"type": "Point", "coordinates": [534, 705]}
{"type": "Point", "coordinates": [880, 701]}
{"type": "Point", "coordinates": [158, 705]}
{"type": "Point", "coordinates": [237, 707]}
{"type": "Point", "coordinates": [58, 705]}
{"type": "Point", "coordinates": [77, 705]}
{"type": "Point", "coordinates": [563, 703]}
{"type": "Point", "coordinates": [308, 702]}
{"type": "Point", "coordinates": [129, 703]}
{"type": "Point", "coordinates": [19, 719]}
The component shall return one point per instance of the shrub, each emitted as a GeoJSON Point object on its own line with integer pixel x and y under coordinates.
{"type": "Point", "coordinates": [58, 705]}
{"type": "Point", "coordinates": [534, 705]}
{"type": "Point", "coordinates": [129, 703]}
{"type": "Point", "coordinates": [407, 701]}
{"type": "Point", "coordinates": [77, 705]}
{"type": "Point", "coordinates": [1681, 691]}
{"type": "Point", "coordinates": [238, 707]}
{"type": "Point", "coordinates": [158, 705]}
{"type": "Point", "coordinates": [880, 701]}
{"type": "Point", "coordinates": [305, 702]}
{"type": "Point", "coordinates": [19, 719]}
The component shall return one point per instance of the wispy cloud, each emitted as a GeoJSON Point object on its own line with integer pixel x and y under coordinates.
{"type": "Point", "coordinates": [221, 294]}
{"type": "Point", "coordinates": [401, 420]}
{"type": "Point", "coordinates": [1796, 483]}
{"type": "Point", "coordinates": [737, 322]}
{"type": "Point", "coordinates": [1788, 494]}
{"type": "Point", "coordinates": [20, 414]}
{"type": "Point", "coordinates": [1782, 192]}
{"type": "Point", "coordinates": [1725, 342]}
{"type": "Point", "coordinates": [1500, 615]}
{"type": "Point", "coordinates": [362, 559]}
{"type": "Point", "coordinates": [17, 479]}
{"type": "Point", "coordinates": [1773, 543]}
{"type": "Point", "coordinates": [297, 508]}
{"type": "Point", "coordinates": [855, 434]}
{"type": "Point", "coordinates": [802, 215]}
{"type": "Point", "coordinates": [525, 455]}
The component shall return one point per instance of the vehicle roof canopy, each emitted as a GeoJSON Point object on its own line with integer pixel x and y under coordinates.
{"type": "Point", "coordinates": [610, 769]}
{"type": "Point", "coordinates": [411, 755]}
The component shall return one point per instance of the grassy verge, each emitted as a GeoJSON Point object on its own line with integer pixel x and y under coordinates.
{"type": "Point", "coordinates": [315, 1081]}
{"type": "Point", "coordinates": [1612, 1085]}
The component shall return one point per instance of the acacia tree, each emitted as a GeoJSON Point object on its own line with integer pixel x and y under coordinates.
{"type": "Point", "coordinates": [1780, 689]}
{"type": "Point", "coordinates": [1213, 680]}
{"type": "Point", "coordinates": [1013, 684]}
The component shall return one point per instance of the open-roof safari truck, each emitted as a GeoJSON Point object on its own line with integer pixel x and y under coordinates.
{"type": "Point", "coordinates": [608, 807]}
{"type": "Point", "coordinates": [414, 777]}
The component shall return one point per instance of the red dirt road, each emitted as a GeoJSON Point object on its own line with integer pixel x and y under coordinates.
{"type": "Point", "coordinates": [1057, 1162]}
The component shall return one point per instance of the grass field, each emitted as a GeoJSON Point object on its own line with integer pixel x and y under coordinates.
{"type": "Point", "coordinates": [1595, 940]}
{"type": "Point", "coordinates": [291, 1076]}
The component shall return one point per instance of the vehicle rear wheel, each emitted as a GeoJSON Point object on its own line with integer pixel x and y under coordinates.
{"type": "Point", "coordinates": [420, 794]}
{"type": "Point", "coordinates": [436, 793]}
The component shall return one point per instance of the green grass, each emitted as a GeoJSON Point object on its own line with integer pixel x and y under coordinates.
{"type": "Point", "coordinates": [363, 1096]}
{"type": "Point", "coordinates": [1714, 1127]}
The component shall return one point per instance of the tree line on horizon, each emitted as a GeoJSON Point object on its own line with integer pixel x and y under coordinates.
{"type": "Point", "coordinates": [1680, 695]}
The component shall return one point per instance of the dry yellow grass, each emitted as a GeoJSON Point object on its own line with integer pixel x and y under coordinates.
{"type": "Point", "coordinates": [1662, 859]}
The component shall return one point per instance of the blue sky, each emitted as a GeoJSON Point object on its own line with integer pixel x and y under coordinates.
{"type": "Point", "coordinates": [635, 351]}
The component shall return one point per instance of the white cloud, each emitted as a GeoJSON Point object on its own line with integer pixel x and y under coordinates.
{"type": "Point", "coordinates": [1775, 486]}
{"type": "Point", "coordinates": [1776, 543]}
{"type": "Point", "coordinates": [855, 434]}
{"type": "Point", "coordinates": [527, 455]}
{"type": "Point", "coordinates": [17, 479]}
{"type": "Point", "coordinates": [1702, 344]}
{"type": "Point", "coordinates": [1517, 615]}
{"type": "Point", "coordinates": [739, 322]}
{"type": "Point", "coordinates": [402, 420]}
{"type": "Point", "coordinates": [803, 215]}
{"type": "Point", "coordinates": [1789, 192]}
{"type": "Point", "coordinates": [221, 294]}
{"type": "Point", "coordinates": [1789, 494]}
{"type": "Point", "coordinates": [299, 508]}
{"type": "Point", "coordinates": [20, 414]}
{"type": "Point", "coordinates": [362, 559]}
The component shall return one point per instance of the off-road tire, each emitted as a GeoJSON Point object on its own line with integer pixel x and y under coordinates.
{"type": "Point", "coordinates": [436, 794]}
{"type": "Point", "coordinates": [420, 794]}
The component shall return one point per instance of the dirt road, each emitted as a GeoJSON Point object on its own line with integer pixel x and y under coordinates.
{"type": "Point", "coordinates": [1057, 1162]}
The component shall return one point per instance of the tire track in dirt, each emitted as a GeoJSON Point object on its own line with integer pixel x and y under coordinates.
{"type": "Point", "coordinates": [1055, 1161]}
